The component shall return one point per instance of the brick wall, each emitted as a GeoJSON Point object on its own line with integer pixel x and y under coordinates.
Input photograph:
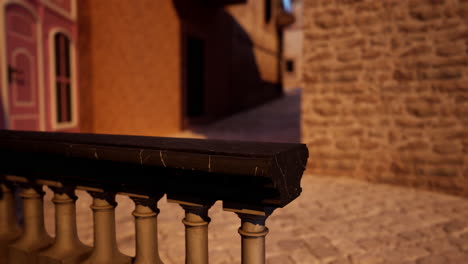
{"type": "Point", "coordinates": [386, 91]}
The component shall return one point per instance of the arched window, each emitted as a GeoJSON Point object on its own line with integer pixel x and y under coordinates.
{"type": "Point", "coordinates": [63, 83]}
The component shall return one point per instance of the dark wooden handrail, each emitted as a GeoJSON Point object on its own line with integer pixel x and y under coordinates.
{"type": "Point", "coordinates": [238, 173]}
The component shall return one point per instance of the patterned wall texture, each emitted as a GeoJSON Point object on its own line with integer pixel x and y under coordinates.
{"type": "Point", "coordinates": [386, 91]}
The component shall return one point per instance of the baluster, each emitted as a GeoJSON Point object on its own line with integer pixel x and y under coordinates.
{"type": "Point", "coordinates": [146, 226]}
{"type": "Point", "coordinates": [67, 248]}
{"type": "Point", "coordinates": [105, 245]}
{"type": "Point", "coordinates": [253, 232]}
{"type": "Point", "coordinates": [196, 231]}
{"type": "Point", "coordinates": [9, 228]}
{"type": "Point", "coordinates": [34, 237]}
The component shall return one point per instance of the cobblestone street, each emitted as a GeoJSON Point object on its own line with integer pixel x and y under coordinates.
{"type": "Point", "coordinates": [335, 220]}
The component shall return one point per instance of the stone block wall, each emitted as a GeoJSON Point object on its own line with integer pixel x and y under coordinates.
{"type": "Point", "coordinates": [386, 91]}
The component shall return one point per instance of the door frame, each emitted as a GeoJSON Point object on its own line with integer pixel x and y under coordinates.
{"type": "Point", "coordinates": [4, 62]}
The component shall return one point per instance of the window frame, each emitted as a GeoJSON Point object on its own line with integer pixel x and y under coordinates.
{"type": "Point", "coordinates": [73, 122]}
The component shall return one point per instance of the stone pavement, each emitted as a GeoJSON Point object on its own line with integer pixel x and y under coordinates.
{"type": "Point", "coordinates": [335, 220]}
{"type": "Point", "coordinates": [277, 121]}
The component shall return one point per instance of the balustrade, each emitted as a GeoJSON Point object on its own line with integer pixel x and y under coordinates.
{"type": "Point", "coordinates": [251, 179]}
{"type": "Point", "coordinates": [66, 248]}
{"type": "Point", "coordinates": [9, 228]}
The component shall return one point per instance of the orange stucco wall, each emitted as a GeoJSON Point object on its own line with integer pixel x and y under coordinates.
{"type": "Point", "coordinates": [129, 67]}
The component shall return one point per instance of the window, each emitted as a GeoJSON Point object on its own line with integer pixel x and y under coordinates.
{"type": "Point", "coordinates": [290, 65]}
{"type": "Point", "coordinates": [63, 92]}
{"type": "Point", "coordinates": [267, 11]}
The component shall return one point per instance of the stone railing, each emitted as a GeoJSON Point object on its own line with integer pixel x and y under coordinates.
{"type": "Point", "coordinates": [250, 178]}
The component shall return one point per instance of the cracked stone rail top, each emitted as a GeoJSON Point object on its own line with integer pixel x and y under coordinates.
{"type": "Point", "coordinates": [250, 178]}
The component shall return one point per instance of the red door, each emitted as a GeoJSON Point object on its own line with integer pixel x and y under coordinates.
{"type": "Point", "coordinates": [21, 40]}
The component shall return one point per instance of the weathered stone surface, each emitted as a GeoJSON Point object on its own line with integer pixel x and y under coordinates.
{"type": "Point", "coordinates": [320, 142]}
{"type": "Point", "coordinates": [346, 145]}
{"type": "Point", "coordinates": [440, 74]}
{"type": "Point", "coordinates": [348, 56]}
{"type": "Point", "coordinates": [417, 145]}
{"type": "Point", "coordinates": [413, 28]}
{"type": "Point", "coordinates": [441, 172]}
{"type": "Point", "coordinates": [326, 110]}
{"type": "Point", "coordinates": [368, 145]}
{"type": "Point", "coordinates": [349, 89]}
{"type": "Point", "coordinates": [332, 18]}
{"type": "Point", "coordinates": [461, 110]}
{"type": "Point", "coordinates": [371, 54]}
{"type": "Point", "coordinates": [445, 148]}
{"type": "Point", "coordinates": [449, 50]}
{"type": "Point", "coordinates": [425, 13]}
{"type": "Point", "coordinates": [409, 123]}
{"type": "Point", "coordinates": [450, 87]}
{"type": "Point", "coordinates": [400, 75]}
{"type": "Point", "coordinates": [396, 66]}
{"type": "Point", "coordinates": [417, 51]}
{"type": "Point", "coordinates": [320, 56]}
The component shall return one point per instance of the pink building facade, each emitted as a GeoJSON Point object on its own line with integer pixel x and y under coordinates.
{"type": "Point", "coordinates": [38, 65]}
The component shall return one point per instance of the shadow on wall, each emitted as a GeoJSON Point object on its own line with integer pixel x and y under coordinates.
{"type": "Point", "coordinates": [220, 73]}
{"type": "Point", "coordinates": [3, 118]}
{"type": "Point", "coordinates": [277, 121]}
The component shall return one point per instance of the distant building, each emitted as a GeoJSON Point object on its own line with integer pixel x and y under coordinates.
{"type": "Point", "coordinates": [292, 51]}
{"type": "Point", "coordinates": [148, 67]}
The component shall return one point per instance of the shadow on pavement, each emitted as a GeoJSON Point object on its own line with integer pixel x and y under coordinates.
{"type": "Point", "coordinates": [276, 121]}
